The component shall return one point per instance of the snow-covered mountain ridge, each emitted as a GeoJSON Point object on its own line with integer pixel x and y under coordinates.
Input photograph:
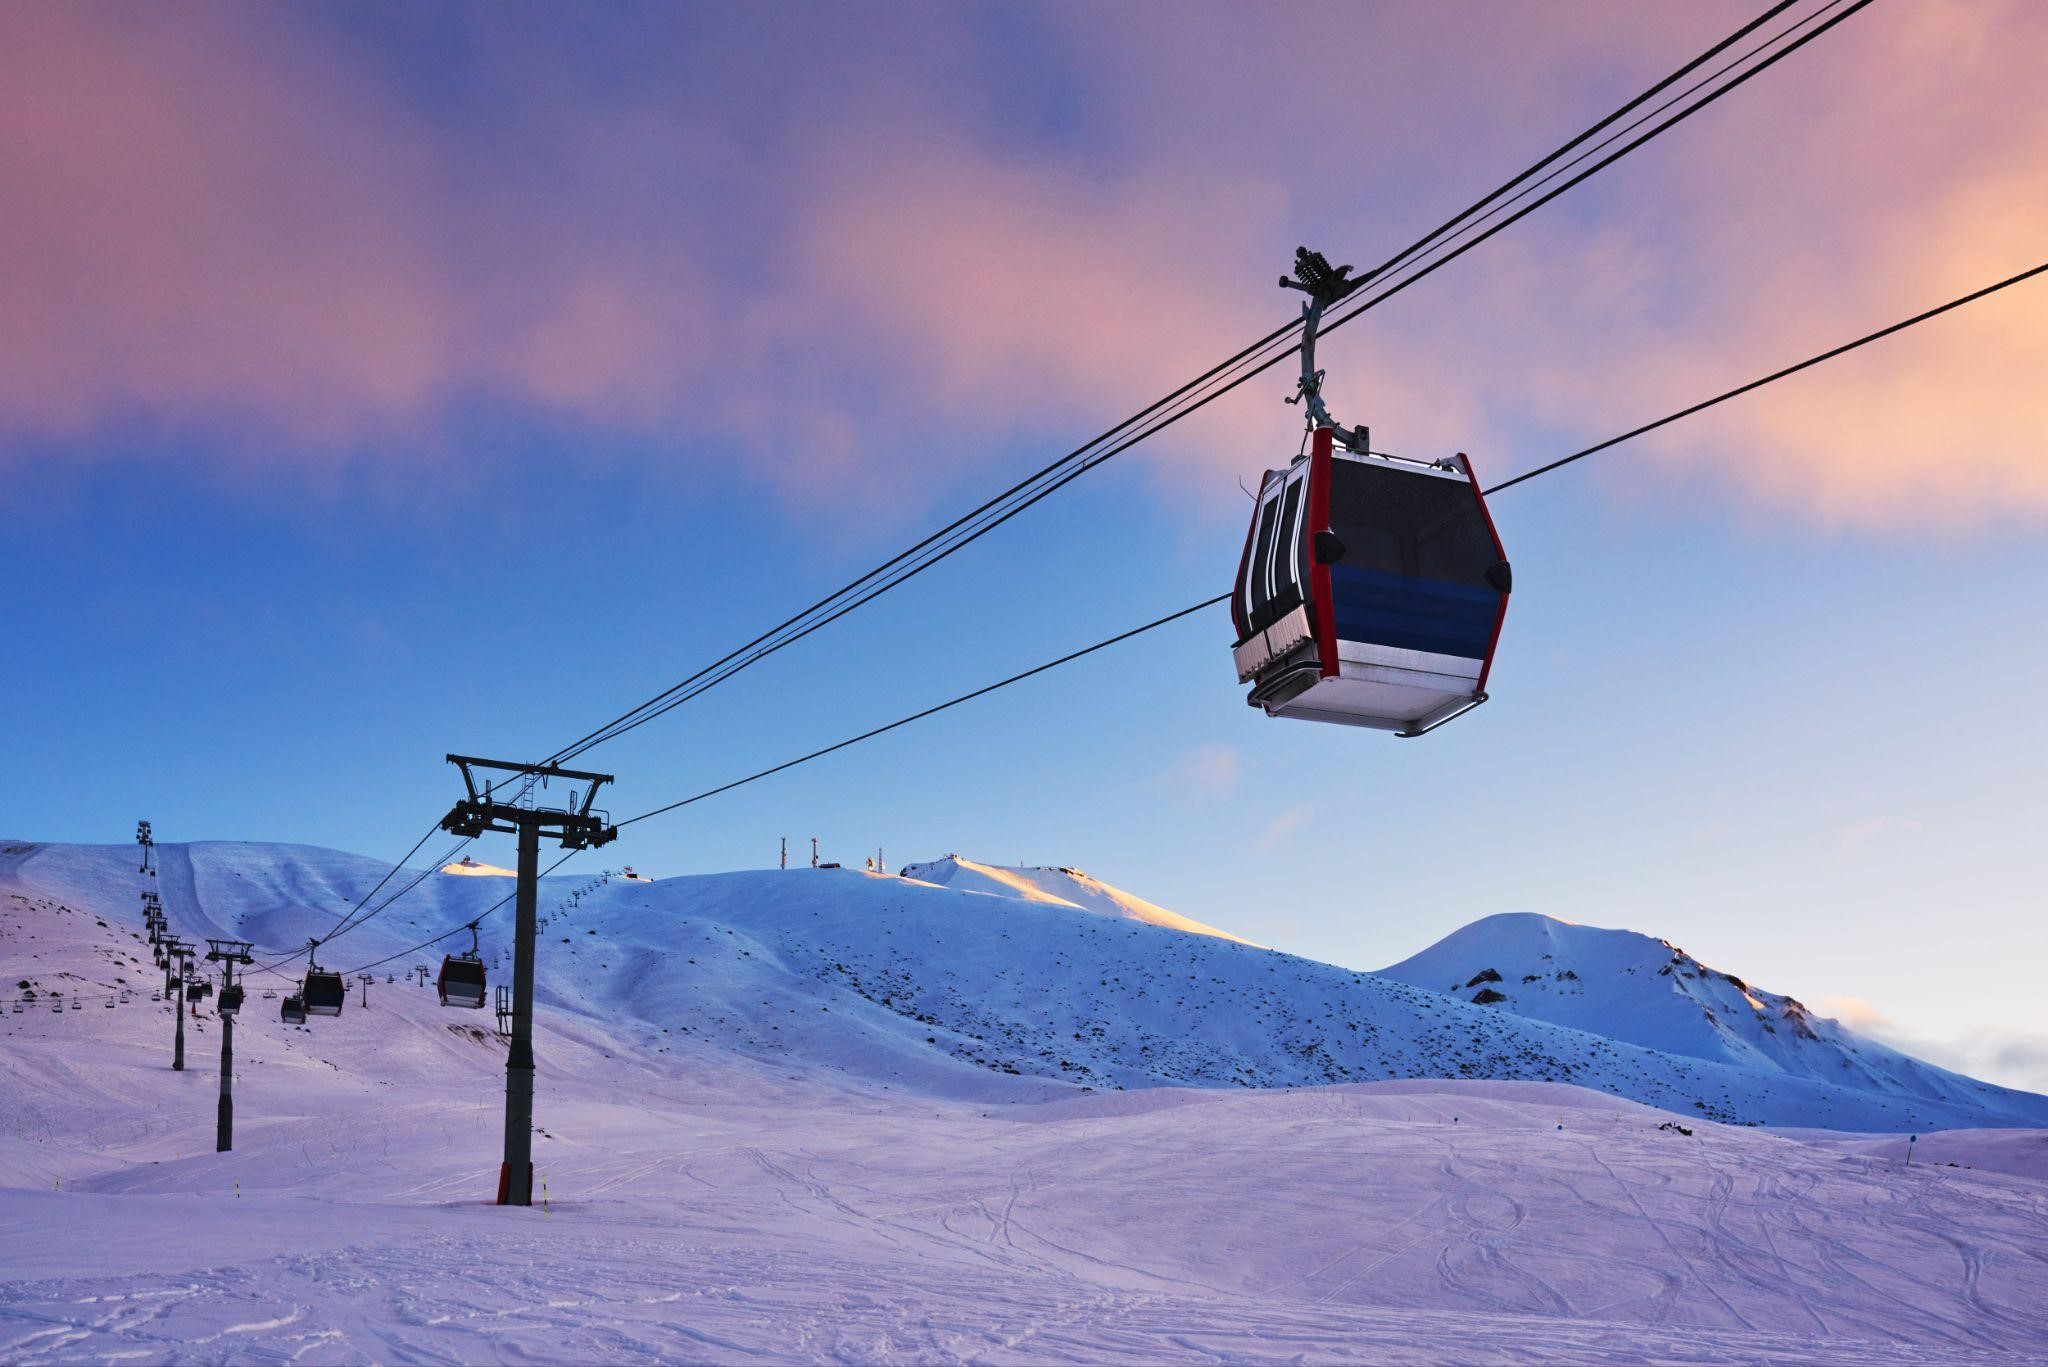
{"type": "Point", "coordinates": [790, 1117]}
{"type": "Point", "coordinates": [908, 985]}
{"type": "Point", "coordinates": [1647, 991]}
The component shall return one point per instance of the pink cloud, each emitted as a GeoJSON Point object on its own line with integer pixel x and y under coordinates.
{"type": "Point", "coordinates": [212, 221]}
{"type": "Point", "coordinates": [220, 223]}
{"type": "Point", "coordinates": [1900, 165]}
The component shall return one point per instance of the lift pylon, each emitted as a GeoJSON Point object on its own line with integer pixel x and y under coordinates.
{"type": "Point", "coordinates": [228, 954]}
{"type": "Point", "coordinates": [579, 826]}
{"type": "Point", "coordinates": [177, 970]}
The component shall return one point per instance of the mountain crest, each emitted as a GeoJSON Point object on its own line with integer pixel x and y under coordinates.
{"type": "Point", "coordinates": [1648, 991]}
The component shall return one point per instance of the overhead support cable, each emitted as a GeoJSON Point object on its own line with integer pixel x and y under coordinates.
{"type": "Point", "coordinates": [1773, 377]}
{"type": "Point", "coordinates": [469, 925]}
{"type": "Point", "coordinates": [354, 916]}
{"type": "Point", "coordinates": [981, 692]}
{"type": "Point", "coordinates": [1193, 608]}
{"type": "Point", "coordinates": [993, 513]}
{"type": "Point", "coordinates": [1247, 363]}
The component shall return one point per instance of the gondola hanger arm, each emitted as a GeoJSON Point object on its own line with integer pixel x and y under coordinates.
{"type": "Point", "coordinates": [1324, 285]}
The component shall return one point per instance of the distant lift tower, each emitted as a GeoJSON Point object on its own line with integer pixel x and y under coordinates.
{"type": "Point", "coordinates": [227, 953]}
{"type": "Point", "coordinates": [579, 826]}
{"type": "Point", "coordinates": [177, 972]}
{"type": "Point", "coordinates": [148, 844]}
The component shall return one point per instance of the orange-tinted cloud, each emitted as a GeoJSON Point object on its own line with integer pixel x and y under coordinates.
{"type": "Point", "coordinates": [1893, 165]}
{"type": "Point", "coordinates": [222, 222]}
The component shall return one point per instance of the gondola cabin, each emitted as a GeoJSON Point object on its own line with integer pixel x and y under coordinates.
{"type": "Point", "coordinates": [230, 1000]}
{"type": "Point", "coordinates": [322, 993]}
{"type": "Point", "coordinates": [1370, 591]}
{"type": "Point", "coordinates": [292, 1010]}
{"type": "Point", "coordinates": [462, 981]}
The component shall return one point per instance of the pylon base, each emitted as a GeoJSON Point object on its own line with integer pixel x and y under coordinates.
{"type": "Point", "coordinates": [508, 1193]}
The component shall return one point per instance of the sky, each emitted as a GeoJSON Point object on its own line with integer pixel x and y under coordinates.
{"type": "Point", "coordinates": [385, 380]}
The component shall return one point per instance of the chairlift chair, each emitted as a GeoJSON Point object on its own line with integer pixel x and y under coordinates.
{"type": "Point", "coordinates": [292, 1011]}
{"type": "Point", "coordinates": [1371, 588]}
{"type": "Point", "coordinates": [461, 982]}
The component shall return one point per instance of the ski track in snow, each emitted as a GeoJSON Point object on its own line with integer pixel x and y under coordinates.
{"type": "Point", "coordinates": [848, 1198]}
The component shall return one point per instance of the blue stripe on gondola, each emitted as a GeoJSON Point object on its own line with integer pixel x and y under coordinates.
{"type": "Point", "coordinates": [1412, 614]}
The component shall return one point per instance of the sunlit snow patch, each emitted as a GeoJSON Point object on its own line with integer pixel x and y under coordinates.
{"type": "Point", "coordinates": [471, 868]}
{"type": "Point", "coordinates": [1062, 887]}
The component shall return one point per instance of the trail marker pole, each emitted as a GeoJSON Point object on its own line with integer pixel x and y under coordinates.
{"type": "Point", "coordinates": [578, 827]}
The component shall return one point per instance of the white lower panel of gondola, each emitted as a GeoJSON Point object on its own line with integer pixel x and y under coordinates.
{"type": "Point", "coordinates": [1384, 688]}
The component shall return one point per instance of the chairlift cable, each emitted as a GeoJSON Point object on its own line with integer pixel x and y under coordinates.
{"type": "Point", "coordinates": [470, 924]}
{"type": "Point", "coordinates": [1716, 50]}
{"type": "Point", "coordinates": [983, 691]}
{"type": "Point", "coordinates": [1774, 376]}
{"type": "Point", "coordinates": [363, 900]}
{"type": "Point", "coordinates": [1383, 295]}
{"type": "Point", "coordinates": [767, 644]}
{"type": "Point", "coordinates": [1527, 209]}
{"type": "Point", "coordinates": [357, 916]}
{"type": "Point", "coordinates": [1121, 637]}
{"type": "Point", "coordinates": [980, 521]}
{"type": "Point", "coordinates": [1629, 435]}
{"type": "Point", "coordinates": [1476, 217]}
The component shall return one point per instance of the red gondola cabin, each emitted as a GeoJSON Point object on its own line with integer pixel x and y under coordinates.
{"type": "Point", "coordinates": [1371, 591]}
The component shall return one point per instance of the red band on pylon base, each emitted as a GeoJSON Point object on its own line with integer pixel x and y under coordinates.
{"type": "Point", "coordinates": [505, 1186]}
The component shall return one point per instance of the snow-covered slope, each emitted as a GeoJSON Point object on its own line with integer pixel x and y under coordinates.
{"type": "Point", "coordinates": [1055, 887]}
{"type": "Point", "coordinates": [930, 989]}
{"type": "Point", "coordinates": [765, 1131]}
{"type": "Point", "coordinates": [1635, 987]}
